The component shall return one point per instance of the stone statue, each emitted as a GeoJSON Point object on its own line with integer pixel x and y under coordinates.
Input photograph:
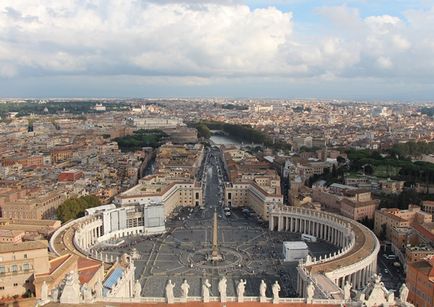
{"type": "Point", "coordinates": [222, 289]}
{"type": "Point", "coordinates": [205, 291]}
{"type": "Point", "coordinates": [137, 289]}
{"type": "Point", "coordinates": [240, 290]}
{"type": "Point", "coordinates": [391, 297]}
{"type": "Point", "coordinates": [169, 292]}
{"type": "Point", "coordinates": [55, 294]}
{"type": "Point", "coordinates": [71, 290]}
{"type": "Point", "coordinates": [310, 290]}
{"type": "Point", "coordinates": [276, 290]}
{"type": "Point", "coordinates": [262, 289]}
{"type": "Point", "coordinates": [86, 293]}
{"type": "Point", "coordinates": [185, 287]}
{"type": "Point", "coordinates": [347, 290]}
{"type": "Point", "coordinates": [98, 289]}
{"type": "Point", "coordinates": [44, 291]}
{"type": "Point", "coordinates": [403, 293]}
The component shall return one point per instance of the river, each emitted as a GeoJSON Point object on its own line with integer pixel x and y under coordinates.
{"type": "Point", "coordinates": [223, 140]}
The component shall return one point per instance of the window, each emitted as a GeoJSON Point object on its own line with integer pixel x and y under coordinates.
{"type": "Point", "coordinates": [15, 285]}
{"type": "Point", "coordinates": [26, 267]}
{"type": "Point", "coordinates": [2, 287]}
{"type": "Point", "coordinates": [25, 256]}
{"type": "Point", "coordinates": [2, 269]}
{"type": "Point", "coordinates": [14, 268]}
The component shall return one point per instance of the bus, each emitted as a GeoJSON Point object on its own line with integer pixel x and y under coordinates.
{"type": "Point", "coordinates": [308, 238]}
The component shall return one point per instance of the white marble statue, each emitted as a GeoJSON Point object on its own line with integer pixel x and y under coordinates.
{"type": "Point", "coordinates": [222, 289]}
{"type": "Point", "coordinates": [276, 289]}
{"type": "Point", "coordinates": [71, 290]}
{"type": "Point", "coordinates": [347, 290]}
{"type": "Point", "coordinates": [86, 293]}
{"type": "Point", "coordinates": [169, 292]}
{"type": "Point", "coordinates": [310, 290]}
{"type": "Point", "coordinates": [137, 289]}
{"type": "Point", "coordinates": [403, 293]}
{"type": "Point", "coordinates": [375, 294]}
{"type": "Point", "coordinates": [205, 291]}
{"type": "Point", "coordinates": [98, 289]}
{"type": "Point", "coordinates": [44, 291]}
{"type": "Point", "coordinates": [185, 287]}
{"type": "Point", "coordinates": [262, 289]}
{"type": "Point", "coordinates": [55, 294]}
{"type": "Point", "coordinates": [240, 290]}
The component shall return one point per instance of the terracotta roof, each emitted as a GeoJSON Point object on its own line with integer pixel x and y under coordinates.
{"type": "Point", "coordinates": [84, 263]}
{"type": "Point", "coordinates": [58, 266]}
{"type": "Point", "coordinates": [87, 268]}
{"type": "Point", "coordinates": [57, 262]}
{"type": "Point", "coordinates": [85, 275]}
{"type": "Point", "coordinates": [424, 232]}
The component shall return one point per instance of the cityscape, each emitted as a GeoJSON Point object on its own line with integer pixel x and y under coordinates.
{"type": "Point", "coordinates": [178, 196]}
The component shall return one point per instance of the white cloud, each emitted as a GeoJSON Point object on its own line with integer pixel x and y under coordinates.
{"type": "Point", "coordinates": [7, 70]}
{"type": "Point", "coordinates": [401, 42]}
{"type": "Point", "coordinates": [384, 62]}
{"type": "Point", "coordinates": [207, 40]}
{"type": "Point", "coordinates": [162, 39]}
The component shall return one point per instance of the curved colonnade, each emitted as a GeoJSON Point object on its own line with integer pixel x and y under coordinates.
{"type": "Point", "coordinates": [355, 262]}
{"type": "Point", "coordinates": [88, 231]}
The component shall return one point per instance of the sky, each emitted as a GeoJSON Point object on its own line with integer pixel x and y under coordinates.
{"type": "Point", "coordinates": [356, 49]}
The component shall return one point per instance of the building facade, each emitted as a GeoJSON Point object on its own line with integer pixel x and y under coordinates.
{"type": "Point", "coordinates": [18, 265]}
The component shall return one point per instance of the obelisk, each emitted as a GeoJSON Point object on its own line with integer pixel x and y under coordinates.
{"type": "Point", "coordinates": [215, 255]}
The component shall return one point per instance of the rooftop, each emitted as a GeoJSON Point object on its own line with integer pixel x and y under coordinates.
{"type": "Point", "coordinates": [27, 245]}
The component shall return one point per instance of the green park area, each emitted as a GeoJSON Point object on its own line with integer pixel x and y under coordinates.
{"type": "Point", "coordinates": [141, 138]}
{"type": "Point", "coordinates": [386, 171]}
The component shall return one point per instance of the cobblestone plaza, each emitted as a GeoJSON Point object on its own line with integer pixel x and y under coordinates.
{"type": "Point", "coordinates": [250, 251]}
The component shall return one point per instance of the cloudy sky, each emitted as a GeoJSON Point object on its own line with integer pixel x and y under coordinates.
{"type": "Point", "coordinates": [361, 49]}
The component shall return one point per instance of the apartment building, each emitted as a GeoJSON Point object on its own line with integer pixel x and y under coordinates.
{"type": "Point", "coordinates": [347, 200]}
{"type": "Point", "coordinates": [391, 186]}
{"type": "Point", "coordinates": [173, 182]}
{"type": "Point", "coordinates": [393, 217]}
{"type": "Point", "coordinates": [18, 265]}
{"type": "Point", "coordinates": [420, 282]}
{"type": "Point", "coordinates": [36, 205]}
{"type": "Point", "coordinates": [358, 210]}
{"type": "Point", "coordinates": [251, 183]}
{"type": "Point", "coordinates": [428, 206]}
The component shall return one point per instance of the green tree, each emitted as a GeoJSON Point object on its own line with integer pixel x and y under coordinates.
{"type": "Point", "coordinates": [73, 208]}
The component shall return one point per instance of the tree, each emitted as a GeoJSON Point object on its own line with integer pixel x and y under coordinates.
{"type": "Point", "coordinates": [73, 208]}
{"type": "Point", "coordinates": [341, 160]}
{"type": "Point", "coordinates": [368, 169]}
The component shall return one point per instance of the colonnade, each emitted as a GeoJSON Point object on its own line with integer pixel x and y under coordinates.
{"type": "Point", "coordinates": [88, 232]}
{"type": "Point", "coordinates": [355, 262]}
{"type": "Point", "coordinates": [337, 234]}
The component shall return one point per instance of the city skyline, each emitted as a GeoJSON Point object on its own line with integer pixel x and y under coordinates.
{"type": "Point", "coordinates": [271, 49]}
